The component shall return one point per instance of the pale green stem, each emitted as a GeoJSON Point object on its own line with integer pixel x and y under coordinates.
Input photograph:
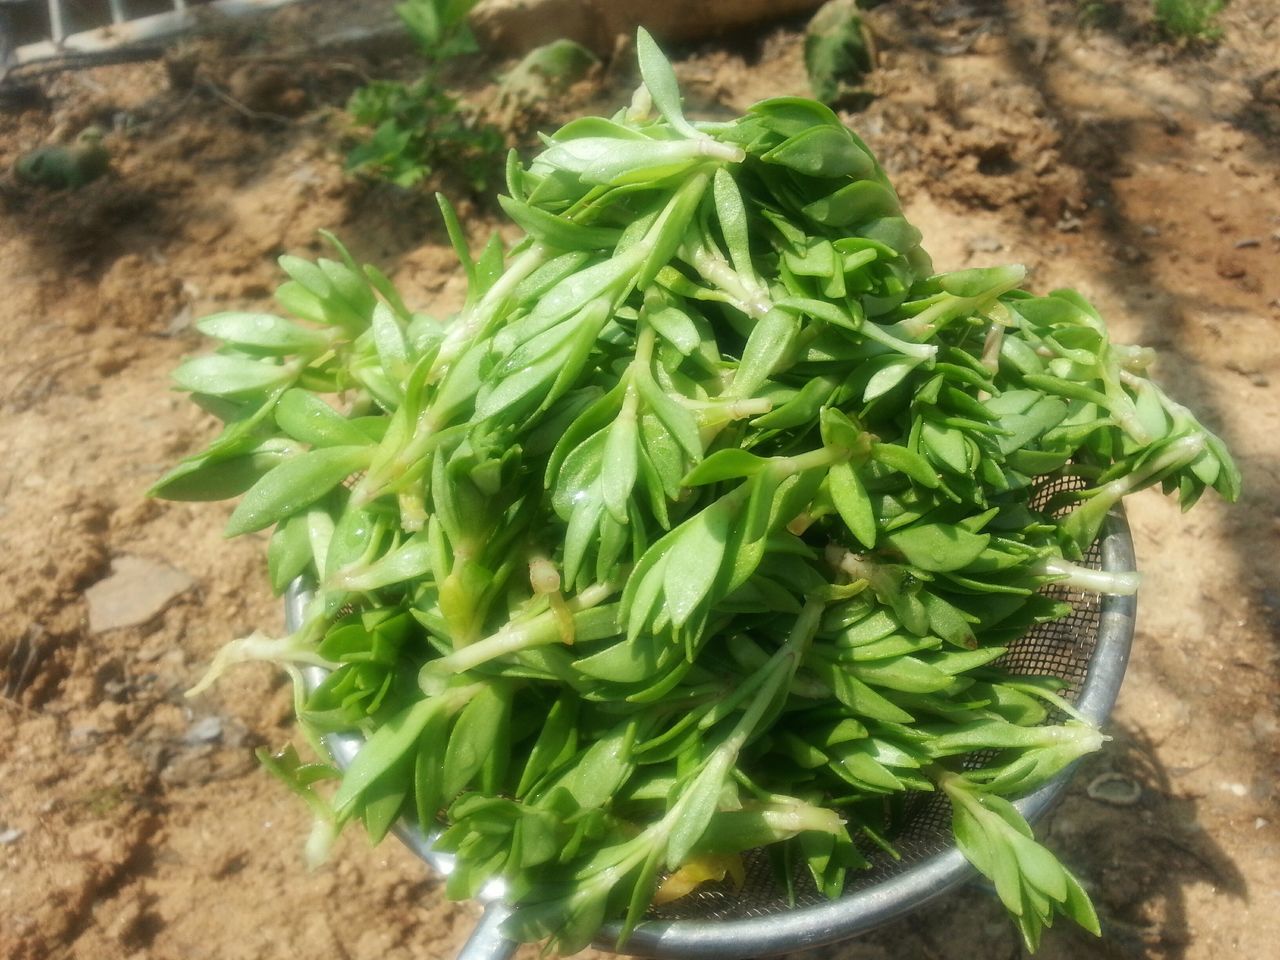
{"type": "Point", "coordinates": [1115, 583]}
{"type": "Point", "coordinates": [1179, 453]}
{"type": "Point", "coordinates": [991, 347]}
{"type": "Point", "coordinates": [792, 817]}
{"type": "Point", "coordinates": [296, 648]}
{"type": "Point", "coordinates": [749, 297]}
{"type": "Point", "coordinates": [779, 669]}
{"type": "Point", "coordinates": [541, 630]}
{"type": "Point", "coordinates": [812, 459]}
{"type": "Point", "coordinates": [728, 409]}
{"type": "Point", "coordinates": [920, 351]}
{"type": "Point", "coordinates": [472, 320]}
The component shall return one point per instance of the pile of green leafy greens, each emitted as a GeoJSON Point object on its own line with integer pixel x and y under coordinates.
{"type": "Point", "coordinates": [700, 528]}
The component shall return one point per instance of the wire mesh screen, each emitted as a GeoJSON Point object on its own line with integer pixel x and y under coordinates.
{"type": "Point", "coordinates": [1061, 648]}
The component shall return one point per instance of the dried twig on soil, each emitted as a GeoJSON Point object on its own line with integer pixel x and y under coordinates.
{"type": "Point", "coordinates": [240, 107]}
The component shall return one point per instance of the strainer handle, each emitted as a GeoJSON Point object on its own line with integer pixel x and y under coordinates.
{"type": "Point", "coordinates": [486, 941]}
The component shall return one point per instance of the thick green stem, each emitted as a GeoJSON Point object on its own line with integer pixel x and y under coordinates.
{"type": "Point", "coordinates": [541, 630]}
{"type": "Point", "coordinates": [1115, 583]}
{"type": "Point", "coordinates": [472, 321]}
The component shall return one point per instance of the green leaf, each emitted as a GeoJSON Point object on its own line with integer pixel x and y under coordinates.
{"type": "Point", "coordinates": [822, 151]}
{"type": "Point", "coordinates": [663, 239]}
{"type": "Point", "coordinates": [839, 432]}
{"type": "Point", "coordinates": [556, 744]}
{"type": "Point", "coordinates": [385, 797]}
{"type": "Point", "coordinates": [768, 348]}
{"type": "Point", "coordinates": [570, 295]}
{"type": "Point", "coordinates": [389, 341]}
{"type": "Point", "coordinates": [979, 281]}
{"type": "Point", "coordinates": [894, 645]}
{"type": "Point", "coordinates": [602, 768]}
{"type": "Point", "coordinates": [850, 498]}
{"type": "Point", "coordinates": [216, 478]}
{"type": "Point", "coordinates": [410, 561]}
{"type": "Point", "coordinates": [458, 238]}
{"type": "Point", "coordinates": [697, 807]}
{"type": "Point", "coordinates": [788, 116]}
{"type": "Point", "coordinates": [893, 372]}
{"type": "Point", "coordinates": [391, 741]}
{"type": "Point", "coordinates": [695, 559]}
{"type": "Point", "coordinates": [1078, 906]}
{"type": "Point", "coordinates": [676, 418]}
{"type": "Point", "coordinates": [349, 286]}
{"type": "Point", "coordinates": [308, 275]}
{"type": "Point", "coordinates": [231, 375]}
{"type": "Point", "coordinates": [308, 419]}
{"type": "Point", "coordinates": [855, 203]}
{"type": "Point", "coordinates": [860, 698]}
{"type": "Point", "coordinates": [947, 447]}
{"type": "Point", "coordinates": [619, 466]}
{"type": "Point", "coordinates": [642, 893]}
{"type": "Point", "coordinates": [853, 762]}
{"type": "Point", "coordinates": [428, 763]}
{"type": "Point", "coordinates": [615, 162]}
{"type": "Point", "coordinates": [938, 547]}
{"type": "Point", "coordinates": [947, 621]}
{"type": "Point", "coordinates": [869, 628]}
{"type": "Point", "coordinates": [1039, 867]}
{"type": "Point", "coordinates": [289, 552]}
{"type": "Point", "coordinates": [264, 333]}
{"type": "Point", "coordinates": [905, 673]}
{"type": "Point", "coordinates": [294, 485]}
{"type": "Point", "coordinates": [676, 328]}
{"type": "Point", "coordinates": [627, 661]}
{"type": "Point", "coordinates": [660, 79]}
{"type": "Point", "coordinates": [529, 380]}
{"type": "Point", "coordinates": [906, 461]}
{"type": "Point", "coordinates": [728, 464]}
{"type": "Point", "coordinates": [557, 231]}
{"type": "Point", "coordinates": [474, 737]}
{"type": "Point", "coordinates": [732, 216]}
{"type": "Point", "coordinates": [579, 474]}
{"type": "Point", "coordinates": [894, 232]}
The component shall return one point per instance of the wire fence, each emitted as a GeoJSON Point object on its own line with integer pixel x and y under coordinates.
{"type": "Point", "coordinates": [35, 30]}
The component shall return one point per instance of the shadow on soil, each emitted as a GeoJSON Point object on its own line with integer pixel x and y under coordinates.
{"type": "Point", "coordinates": [176, 158]}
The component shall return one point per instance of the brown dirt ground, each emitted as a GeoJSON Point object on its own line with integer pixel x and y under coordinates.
{"type": "Point", "coordinates": [1144, 174]}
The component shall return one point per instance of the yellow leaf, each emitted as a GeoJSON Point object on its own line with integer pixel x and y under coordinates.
{"type": "Point", "coordinates": [700, 870]}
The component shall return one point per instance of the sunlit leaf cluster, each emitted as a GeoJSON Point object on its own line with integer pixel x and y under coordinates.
{"type": "Point", "coordinates": [701, 527]}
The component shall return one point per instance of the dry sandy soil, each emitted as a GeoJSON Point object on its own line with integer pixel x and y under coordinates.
{"type": "Point", "coordinates": [134, 822]}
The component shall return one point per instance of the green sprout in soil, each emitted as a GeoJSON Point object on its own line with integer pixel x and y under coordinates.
{"type": "Point", "coordinates": [419, 128]}
{"type": "Point", "coordinates": [1189, 20]}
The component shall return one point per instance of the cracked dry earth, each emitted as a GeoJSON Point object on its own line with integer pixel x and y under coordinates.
{"type": "Point", "coordinates": [134, 823]}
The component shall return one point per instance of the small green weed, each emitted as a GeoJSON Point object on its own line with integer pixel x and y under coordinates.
{"type": "Point", "coordinates": [413, 130]}
{"type": "Point", "coordinates": [1189, 19]}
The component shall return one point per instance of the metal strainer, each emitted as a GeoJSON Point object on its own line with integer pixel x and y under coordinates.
{"type": "Point", "coordinates": [1089, 649]}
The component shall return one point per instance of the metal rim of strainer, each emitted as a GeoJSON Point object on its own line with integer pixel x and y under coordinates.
{"type": "Point", "coordinates": [858, 910]}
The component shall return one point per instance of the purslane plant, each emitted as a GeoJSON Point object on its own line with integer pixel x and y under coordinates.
{"type": "Point", "coordinates": [701, 528]}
